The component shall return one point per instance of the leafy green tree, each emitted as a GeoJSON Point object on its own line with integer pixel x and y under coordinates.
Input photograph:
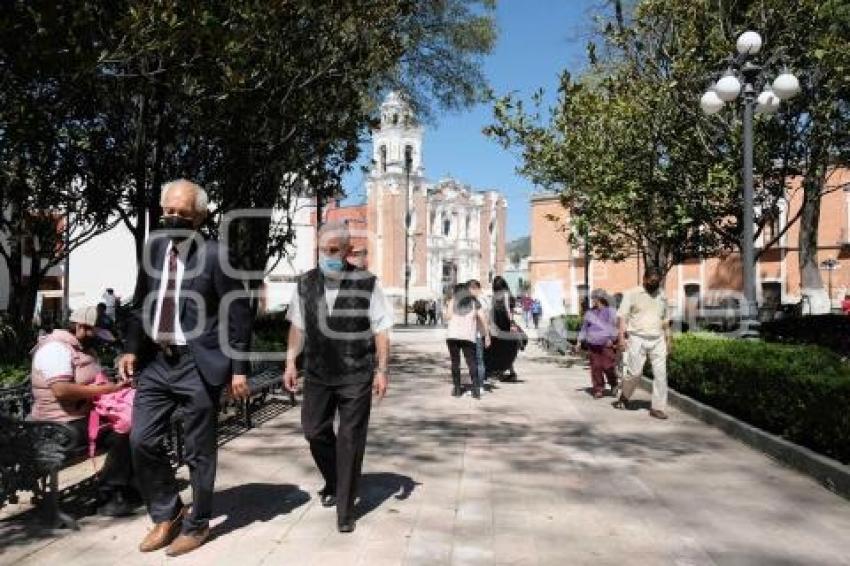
{"type": "Point", "coordinates": [55, 170]}
{"type": "Point", "coordinates": [627, 146]}
{"type": "Point", "coordinates": [256, 100]}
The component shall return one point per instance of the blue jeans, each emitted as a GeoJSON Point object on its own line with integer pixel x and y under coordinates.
{"type": "Point", "coordinates": [479, 357]}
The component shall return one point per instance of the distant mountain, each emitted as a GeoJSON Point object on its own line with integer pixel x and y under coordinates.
{"type": "Point", "coordinates": [519, 248]}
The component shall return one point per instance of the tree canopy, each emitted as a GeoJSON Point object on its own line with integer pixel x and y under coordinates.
{"type": "Point", "coordinates": [258, 101]}
{"type": "Point", "coordinates": [636, 161]}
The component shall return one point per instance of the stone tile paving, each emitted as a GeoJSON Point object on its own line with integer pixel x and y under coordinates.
{"type": "Point", "coordinates": [536, 472]}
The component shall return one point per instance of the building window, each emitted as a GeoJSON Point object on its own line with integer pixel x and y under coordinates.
{"type": "Point", "coordinates": [771, 293]}
{"type": "Point", "coordinates": [395, 119]}
{"type": "Point", "coordinates": [447, 226]}
{"type": "Point", "coordinates": [383, 159]}
{"type": "Point", "coordinates": [408, 156]}
{"type": "Point", "coordinates": [468, 224]}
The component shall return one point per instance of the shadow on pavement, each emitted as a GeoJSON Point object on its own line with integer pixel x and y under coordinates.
{"type": "Point", "coordinates": [376, 488]}
{"type": "Point", "coordinates": [248, 503]}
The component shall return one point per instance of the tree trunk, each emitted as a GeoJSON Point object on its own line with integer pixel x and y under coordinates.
{"type": "Point", "coordinates": [810, 278]}
{"type": "Point", "coordinates": [141, 200]}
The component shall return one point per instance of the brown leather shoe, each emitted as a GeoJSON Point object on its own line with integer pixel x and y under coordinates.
{"type": "Point", "coordinates": [163, 533]}
{"type": "Point", "coordinates": [658, 414]}
{"type": "Point", "coordinates": [187, 542]}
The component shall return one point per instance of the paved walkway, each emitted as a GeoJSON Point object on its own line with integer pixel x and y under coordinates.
{"type": "Point", "coordinates": [535, 473]}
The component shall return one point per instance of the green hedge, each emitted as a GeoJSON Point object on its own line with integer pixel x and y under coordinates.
{"type": "Point", "coordinates": [828, 330]}
{"type": "Point", "coordinates": [801, 393]}
{"type": "Point", "coordinates": [12, 374]}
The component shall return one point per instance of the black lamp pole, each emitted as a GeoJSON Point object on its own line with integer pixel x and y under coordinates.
{"type": "Point", "coordinates": [408, 158]}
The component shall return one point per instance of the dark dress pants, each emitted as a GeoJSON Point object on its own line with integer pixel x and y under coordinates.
{"type": "Point", "coordinates": [164, 386]}
{"type": "Point", "coordinates": [468, 349]}
{"type": "Point", "coordinates": [117, 471]}
{"type": "Point", "coordinates": [339, 456]}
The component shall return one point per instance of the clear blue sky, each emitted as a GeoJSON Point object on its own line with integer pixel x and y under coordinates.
{"type": "Point", "coordinates": [537, 40]}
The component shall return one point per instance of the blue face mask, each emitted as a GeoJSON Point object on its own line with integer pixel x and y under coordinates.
{"type": "Point", "coordinates": [331, 264]}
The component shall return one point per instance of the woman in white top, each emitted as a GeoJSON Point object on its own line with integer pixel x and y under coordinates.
{"type": "Point", "coordinates": [465, 320]}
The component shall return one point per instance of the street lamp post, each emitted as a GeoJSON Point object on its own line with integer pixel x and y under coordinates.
{"type": "Point", "coordinates": [829, 265]}
{"type": "Point", "coordinates": [408, 158]}
{"type": "Point", "coordinates": [727, 89]}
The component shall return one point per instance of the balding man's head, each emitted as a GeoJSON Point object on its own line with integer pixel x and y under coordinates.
{"type": "Point", "coordinates": [184, 199]}
{"type": "Point", "coordinates": [336, 232]}
{"type": "Point", "coordinates": [334, 246]}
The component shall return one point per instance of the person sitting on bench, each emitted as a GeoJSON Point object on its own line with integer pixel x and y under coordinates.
{"type": "Point", "coordinates": [64, 369]}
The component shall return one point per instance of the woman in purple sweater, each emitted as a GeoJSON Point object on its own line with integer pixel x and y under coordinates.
{"type": "Point", "coordinates": [599, 335]}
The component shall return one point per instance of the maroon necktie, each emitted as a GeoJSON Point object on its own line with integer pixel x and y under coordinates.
{"type": "Point", "coordinates": [165, 332]}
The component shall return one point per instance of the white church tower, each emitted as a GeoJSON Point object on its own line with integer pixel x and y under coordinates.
{"type": "Point", "coordinates": [398, 133]}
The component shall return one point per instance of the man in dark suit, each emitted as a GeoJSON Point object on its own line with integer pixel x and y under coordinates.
{"type": "Point", "coordinates": [190, 323]}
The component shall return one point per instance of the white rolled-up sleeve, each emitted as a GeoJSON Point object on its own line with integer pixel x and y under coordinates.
{"type": "Point", "coordinates": [295, 313]}
{"type": "Point", "coordinates": [380, 311]}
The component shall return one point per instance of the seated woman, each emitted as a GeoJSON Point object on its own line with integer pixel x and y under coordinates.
{"type": "Point", "coordinates": [505, 341]}
{"type": "Point", "coordinates": [63, 375]}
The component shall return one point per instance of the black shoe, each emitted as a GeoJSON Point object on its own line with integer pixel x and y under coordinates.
{"type": "Point", "coordinates": [346, 526]}
{"type": "Point", "coordinates": [327, 496]}
{"type": "Point", "coordinates": [455, 391]}
{"type": "Point", "coordinates": [476, 394]}
{"type": "Point", "coordinates": [117, 506]}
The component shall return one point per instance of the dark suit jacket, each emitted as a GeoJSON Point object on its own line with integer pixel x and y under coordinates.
{"type": "Point", "coordinates": [209, 322]}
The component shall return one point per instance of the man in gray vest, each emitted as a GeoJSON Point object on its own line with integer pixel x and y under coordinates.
{"type": "Point", "coordinates": [340, 320]}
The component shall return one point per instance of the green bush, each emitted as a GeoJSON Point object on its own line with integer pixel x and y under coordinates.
{"type": "Point", "coordinates": [828, 330]}
{"type": "Point", "coordinates": [270, 332]}
{"type": "Point", "coordinates": [798, 392]}
{"type": "Point", "coordinates": [13, 374]}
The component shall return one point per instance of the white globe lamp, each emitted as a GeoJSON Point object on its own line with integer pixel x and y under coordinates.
{"type": "Point", "coordinates": [728, 87]}
{"type": "Point", "coordinates": [711, 103]}
{"type": "Point", "coordinates": [786, 86]}
{"type": "Point", "coordinates": [767, 102]}
{"type": "Point", "coordinates": [749, 43]}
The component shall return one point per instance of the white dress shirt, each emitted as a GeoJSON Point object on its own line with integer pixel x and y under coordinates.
{"type": "Point", "coordinates": [182, 255]}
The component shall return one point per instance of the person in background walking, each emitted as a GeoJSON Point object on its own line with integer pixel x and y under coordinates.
{"type": "Point", "coordinates": [475, 288]}
{"type": "Point", "coordinates": [432, 312]}
{"type": "Point", "coordinates": [506, 339]}
{"type": "Point", "coordinates": [525, 304]}
{"type": "Point", "coordinates": [536, 312]}
{"type": "Point", "coordinates": [465, 321]}
{"type": "Point", "coordinates": [643, 318]}
{"type": "Point", "coordinates": [599, 334]}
